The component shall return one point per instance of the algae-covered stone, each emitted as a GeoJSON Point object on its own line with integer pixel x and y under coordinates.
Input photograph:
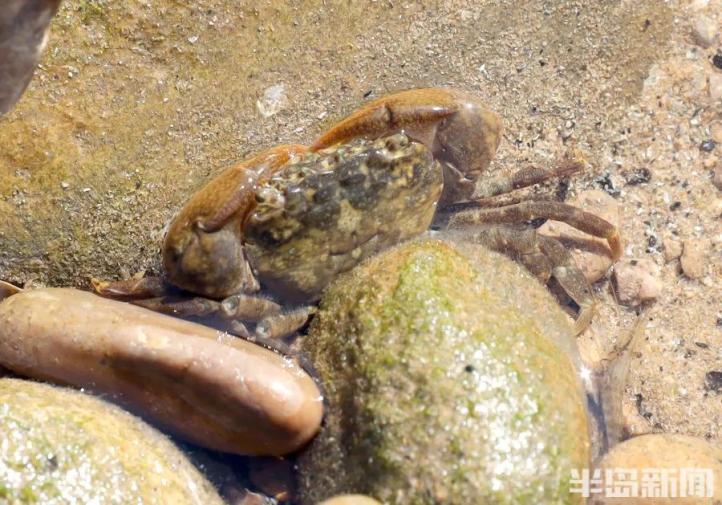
{"type": "Point", "coordinates": [62, 446]}
{"type": "Point", "coordinates": [450, 379]}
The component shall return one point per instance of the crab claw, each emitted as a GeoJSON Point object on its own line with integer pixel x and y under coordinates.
{"type": "Point", "coordinates": [203, 249]}
{"type": "Point", "coordinates": [456, 127]}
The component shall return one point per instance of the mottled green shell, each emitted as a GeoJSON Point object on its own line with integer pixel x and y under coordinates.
{"type": "Point", "coordinates": [332, 209]}
{"type": "Point", "coordinates": [60, 446]}
{"type": "Point", "coordinates": [449, 380]}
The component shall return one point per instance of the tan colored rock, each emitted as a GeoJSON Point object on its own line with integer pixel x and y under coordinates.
{"type": "Point", "coordinates": [715, 131]}
{"type": "Point", "coordinates": [715, 86]}
{"type": "Point", "coordinates": [704, 31]}
{"type": "Point", "coordinates": [679, 457]}
{"type": "Point", "coordinates": [672, 249]}
{"type": "Point", "coordinates": [717, 177]}
{"type": "Point", "coordinates": [693, 258]}
{"type": "Point", "coordinates": [710, 161]}
{"type": "Point", "coordinates": [591, 254]}
{"type": "Point", "coordinates": [350, 499]}
{"type": "Point", "coordinates": [637, 281]}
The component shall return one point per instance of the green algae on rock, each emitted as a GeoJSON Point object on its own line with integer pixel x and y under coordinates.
{"type": "Point", "coordinates": [62, 446]}
{"type": "Point", "coordinates": [449, 380]}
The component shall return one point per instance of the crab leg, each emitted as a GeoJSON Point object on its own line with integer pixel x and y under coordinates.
{"type": "Point", "coordinates": [283, 325]}
{"type": "Point", "coordinates": [525, 211]}
{"type": "Point", "coordinates": [151, 293]}
{"type": "Point", "coordinates": [544, 257]}
{"type": "Point", "coordinates": [145, 287]}
{"type": "Point", "coordinates": [248, 308]}
{"type": "Point", "coordinates": [528, 176]}
{"type": "Point", "coordinates": [571, 278]}
{"type": "Point", "coordinates": [195, 306]}
{"type": "Point", "coordinates": [520, 244]}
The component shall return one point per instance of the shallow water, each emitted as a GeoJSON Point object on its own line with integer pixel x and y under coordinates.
{"type": "Point", "coordinates": [136, 104]}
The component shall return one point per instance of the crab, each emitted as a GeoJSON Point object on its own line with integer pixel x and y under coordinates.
{"type": "Point", "coordinates": [274, 230]}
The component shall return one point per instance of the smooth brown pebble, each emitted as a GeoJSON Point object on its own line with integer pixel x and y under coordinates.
{"type": "Point", "coordinates": [637, 281]}
{"type": "Point", "coordinates": [648, 454]}
{"type": "Point", "coordinates": [350, 499]}
{"type": "Point", "coordinates": [693, 259]}
{"type": "Point", "coordinates": [208, 387]}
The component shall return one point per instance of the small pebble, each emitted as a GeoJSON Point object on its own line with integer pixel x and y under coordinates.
{"type": "Point", "coordinates": [64, 185]}
{"type": "Point", "coordinates": [605, 182]}
{"type": "Point", "coordinates": [704, 31]}
{"type": "Point", "coordinates": [672, 249]}
{"type": "Point", "coordinates": [638, 176]}
{"type": "Point", "coordinates": [717, 177]}
{"type": "Point", "coordinates": [693, 259]}
{"type": "Point", "coordinates": [715, 86]}
{"type": "Point", "coordinates": [273, 101]}
{"type": "Point", "coordinates": [713, 381]}
{"type": "Point", "coordinates": [637, 281]}
{"type": "Point", "coordinates": [715, 131]}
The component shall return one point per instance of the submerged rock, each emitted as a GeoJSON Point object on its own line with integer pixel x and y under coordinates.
{"type": "Point", "coordinates": [62, 446]}
{"type": "Point", "coordinates": [450, 377]}
{"type": "Point", "coordinates": [680, 469]}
